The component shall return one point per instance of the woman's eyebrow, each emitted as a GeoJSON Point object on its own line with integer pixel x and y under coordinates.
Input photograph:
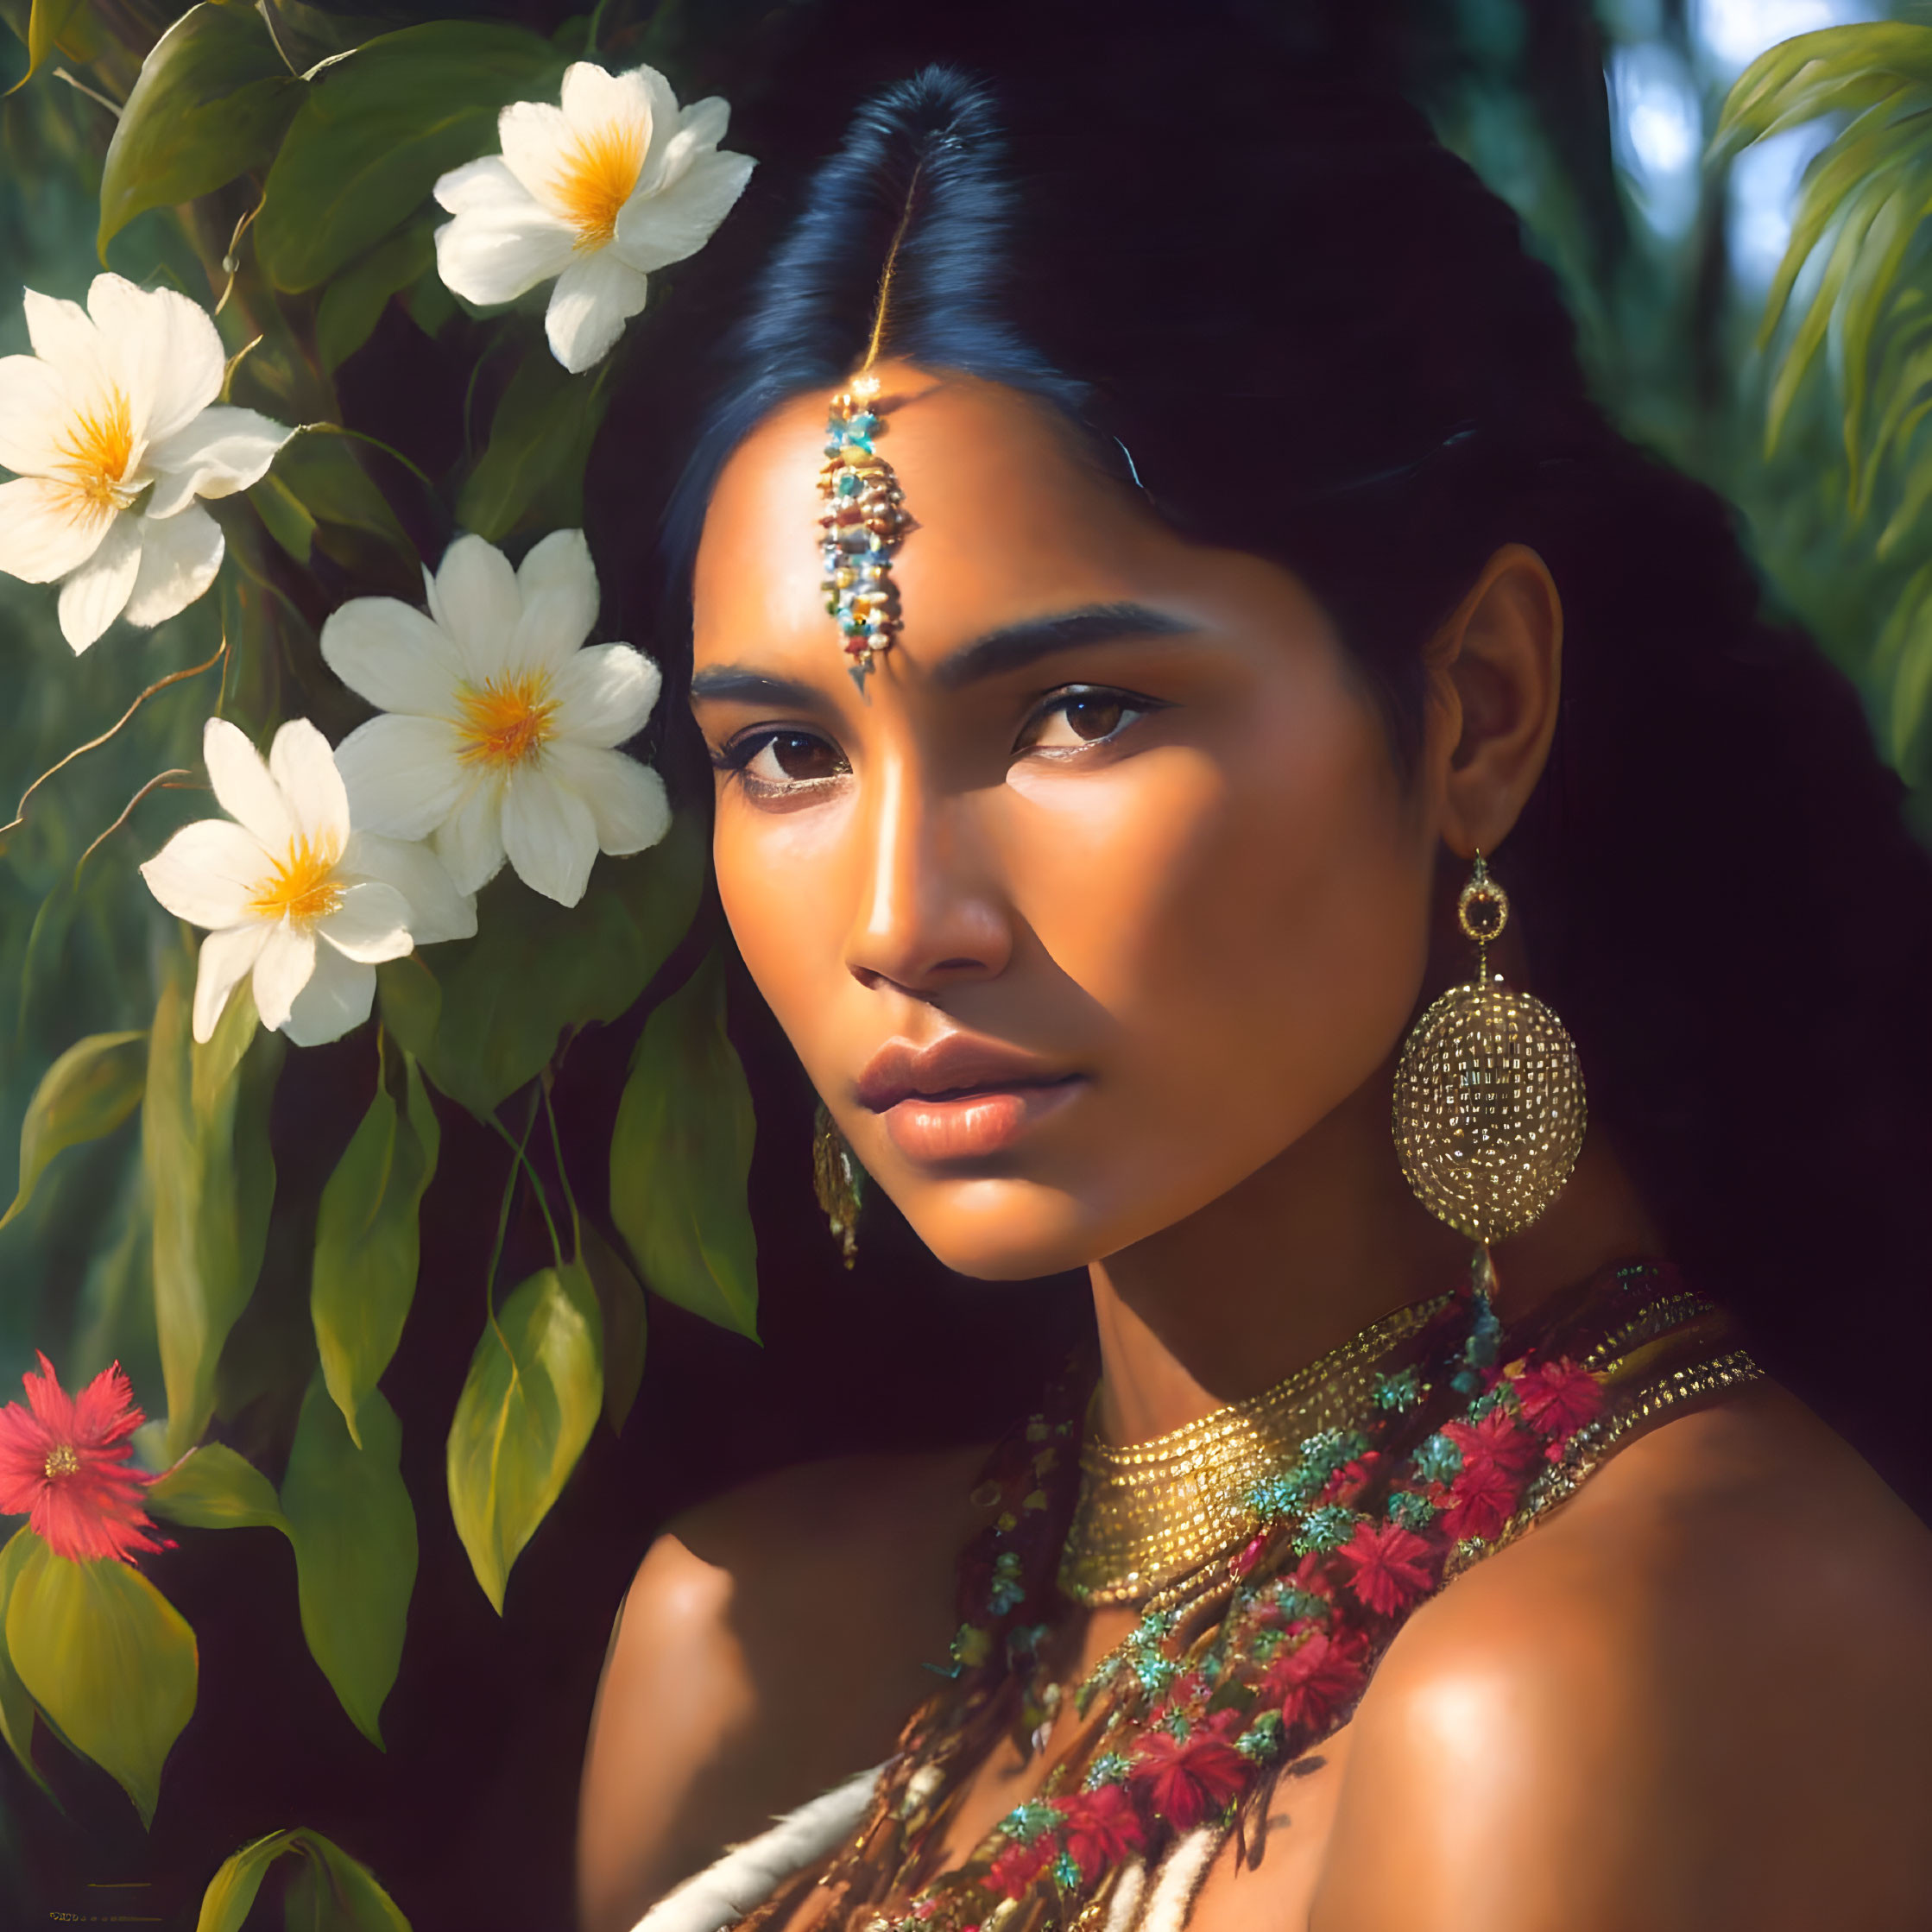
{"type": "Point", "coordinates": [1014, 647]}
{"type": "Point", "coordinates": [735, 683]}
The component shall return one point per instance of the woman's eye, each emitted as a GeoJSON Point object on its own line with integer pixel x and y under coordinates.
{"type": "Point", "coordinates": [780, 759]}
{"type": "Point", "coordinates": [1070, 719]}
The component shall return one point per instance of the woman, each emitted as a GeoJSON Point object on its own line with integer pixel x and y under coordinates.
{"type": "Point", "coordinates": [1236, 565]}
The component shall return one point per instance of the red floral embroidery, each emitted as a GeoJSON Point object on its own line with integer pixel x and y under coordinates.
{"type": "Point", "coordinates": [1557, 1398]}
{"type": "Point", "coordinates": [1481, 1499]}
{"type": "Point", "coordinates": [1498, 1436]}
{"type": "Point", "coordinates": [65, 1464]}
{"type": "Point", "coordinates": [1187, 1784]}
{"type": "Point", "coordinates": [1313, 1682]}
{"type": "Point", "coordinates": [1103, 1829]}
{"type": "Point", "coordinates": [1388, 1566]}
{"type": "Point", "coordinates": [1348, 1483]}
{"type": "Point", "coordinates": [1016, 1867]}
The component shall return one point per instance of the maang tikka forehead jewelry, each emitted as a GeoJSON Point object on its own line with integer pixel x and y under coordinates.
{"type": "Point", "coordinates": [862, 517]}
{"type": "Point", "coordinates": [1489, 1110]}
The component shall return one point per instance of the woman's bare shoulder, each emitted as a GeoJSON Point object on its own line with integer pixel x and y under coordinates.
{"type": "Point", "coordinates": [772, 1642]}
{"type": "Point", "coordinates": [1697, 1695]}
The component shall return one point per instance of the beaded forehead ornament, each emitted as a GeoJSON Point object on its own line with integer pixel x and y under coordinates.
{"type": "Point", "coordinates": [862, 519]}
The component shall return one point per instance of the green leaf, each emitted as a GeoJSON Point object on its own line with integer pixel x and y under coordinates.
{"type": "Point", "coordinates": [355, 1536]}
{"type": "Point", "coordinates": [16, 1708]}
{"type": "Point", "coordinates": [681, 1156]}
{"type": "Point", "coordinates": [214, 1488]}
{"type": "Point", "coordinates": [344, 508]}
{"type": "Point", "coordinates": [205, 1139]}
{"type": "Point", "coordinates": [108, 1659]}
{"type": "Point", "coordinates": [540, 441]}
{"type": "Point", "coordinates": [367, 1242]}
{"type": "Point", "coordinates": [333, 1893]}
{"type": "Point", "coordinates": [377, 130]}
{"type": "Point", "coordinates": [231, 1892]}
{"type": "Point", "coordinates": [46, 25]}
{"type": "Point", "coordinates": [285, 516]}
{"type": "Point", "coordinates": [626, 1327]}
{"type": "Point", "coordinates": [488, 1019]}
{"type": "Point", "coordinates": [87, 1093]}
{"type": "Point", "coordinates": [210, 103]}
{"type": "Point", "coordinates": [353, 302]}
{"type": "Point", "coordinates": [528, 1408]}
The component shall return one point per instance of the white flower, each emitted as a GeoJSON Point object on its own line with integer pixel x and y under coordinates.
{"type": "Point", "coordinates": [291, 892]}
{"type": "Point", "coordinates": [598, 193]}
{"type": "Point", "coordinates": [501, 737]}
{"type": "Point", "coordinates": [116, 399]}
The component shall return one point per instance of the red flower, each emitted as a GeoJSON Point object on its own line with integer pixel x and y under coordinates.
{"type": "Point", "coordinates": [1557, 1398]}
{"type": "Point", "coordinates": [1103, 1829]}
{"type": "Point", "coordinates": [1481, 1499]}
{"type": "Point", "coordinates": [1313, 1683]}
{"type": "Point", "coordinates": [65, 1464]}
{"type": "Point", "coordinates": [1347, 1483]}
{"type": "Point", "coordinates": [1388, 1566]}
{"type": "Point", "coordinates": [1017, 1867]}
{"type": "Point", "coordinates": [1498, 1437]}
{"type": "Point", "coordinates": [1187, 1784]}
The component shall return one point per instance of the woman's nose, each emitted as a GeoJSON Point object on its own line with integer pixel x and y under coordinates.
{"type": "Point", "coordinates": [929, 913]}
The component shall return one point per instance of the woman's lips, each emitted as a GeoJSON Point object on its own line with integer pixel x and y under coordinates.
{"type": "Point", "coordinates": [960, 1097]}
{"type": "Point", "coordinates": [971, 1125]}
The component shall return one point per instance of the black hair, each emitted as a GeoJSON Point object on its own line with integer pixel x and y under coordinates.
{"type": "Point", "coordinates": [1323, 339]}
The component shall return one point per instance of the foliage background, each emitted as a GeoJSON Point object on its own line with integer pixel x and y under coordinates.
{"type": "Point", "coordinates": [1595, 124]}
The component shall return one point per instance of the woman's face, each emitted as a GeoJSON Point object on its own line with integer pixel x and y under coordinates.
{"type": "Point", "coordinates": [1103, 891]}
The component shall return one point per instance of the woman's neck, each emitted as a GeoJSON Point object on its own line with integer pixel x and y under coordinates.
{"type": "Point", "coordinates": [1309, 1251]}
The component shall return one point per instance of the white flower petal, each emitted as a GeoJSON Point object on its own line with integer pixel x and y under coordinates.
{"type": "Point", "coordinates": [161, 348]}
{"type": "Point", "coordinates": [36, 410]}
{"type": "Point", "coordinates": [226, 958]}
{"type": "Point", "coordinates": [593, 97]}
{"type": "Point", "coordinates": [335, 1000]}
{"type": "Point", "coordinates": [705, 121]}
{"type": "Point", "coordinates": [603, 694]}
{"type": "Point", "coordinates": [302, 764]}
{"type": "Point", "coordinates": [402, 774]}
{"type": "Point", "coordinates": [208, 874]}
{"type": "Point", "coordinates": [470, 842]}
{"type": "Point", "coordinates": [65, 338]}
{"type": "Point", "coordinates": [287, 959]}
{"type": "Point", "coordinates": [549, 834]}
{"type": "Point", "coordinates": [655, 231]}
{"type": "Point", "coordinates": [370, 922]}
{"type": "Point", "coordinates": [593, 299]}
{"type": "Point", "coordinates": [494, 253]}
{"type": "Point", "coordinates": [474, 599]}
{"type": "Point", "coordinates": [388, 652]}
{"type": "Point", "coordinates": [99, 591]}
{"type": "Point", "coordinates": [222, 450]}
{"type": "Point", "coordinates": [627, 800]}
{"type": "Point", "coordinates": [243, 788]}
{"type": "Point", "coordinates": [482, 184]}
{"type": "Point", "coordinates": [560, 566]}
{"type": "Point", "coordinates": [534, 137]}
{"type": "Point", "coordinates": [438, 911]}
{"type": "Point", "coordinates": [47, 529]}
{"type": "Point", "coordinates": [665, 120]}
{"type": "Point", "coordinates": [180, 556]}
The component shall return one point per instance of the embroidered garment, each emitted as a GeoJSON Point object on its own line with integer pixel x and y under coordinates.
{"type": "Point", "coordinates": [1471, 1433]}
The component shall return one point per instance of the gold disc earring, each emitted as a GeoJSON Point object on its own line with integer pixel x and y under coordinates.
{"type": "Point", "coordinates": [838, 1181]}
{"type": "Point", "coordinates": [1489, 1111]}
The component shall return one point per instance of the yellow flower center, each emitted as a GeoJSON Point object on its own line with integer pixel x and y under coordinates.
{"type": "Point", "coordinates": [301, 888]}
{"type": "Point", "coordinates": [505, 721]}
{"type": "Point", "coordinates": [598, 174]}
{"type": "Point", "coordinates": [62, 1460]}
{"type": "Point", "coordinates": [96, 451]}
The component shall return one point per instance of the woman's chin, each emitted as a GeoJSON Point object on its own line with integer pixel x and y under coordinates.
{"type": "Point", "coordinates": [1003, 1229]}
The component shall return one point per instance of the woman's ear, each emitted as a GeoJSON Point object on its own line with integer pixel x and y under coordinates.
{"type": "Point", "coordinates": [1495, 673]}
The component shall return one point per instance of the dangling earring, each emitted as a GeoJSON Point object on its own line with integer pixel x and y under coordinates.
{"type": "Point", "coordinates": [838, 1181]}
{"type": "Point", "coordinates": [1488, 1110]}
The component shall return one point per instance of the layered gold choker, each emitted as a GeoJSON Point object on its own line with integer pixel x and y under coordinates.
{"type": "Point", "coordinates": [1152, 1514]}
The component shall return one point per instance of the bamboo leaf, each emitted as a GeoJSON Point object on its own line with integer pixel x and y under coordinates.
{"type": "Point", "coordinates": [212, 1488]}
{"type": "Point", "coordinates": [108, 1659]}
{"type": "Point", "coordinates": [87, 1093]}
{"type": "Point", "coordinates": [681, 1156]}
{"type": "Point", "coordinates": [528, 1408]}
{"type": "Point", "coordinates": [354, 1531]}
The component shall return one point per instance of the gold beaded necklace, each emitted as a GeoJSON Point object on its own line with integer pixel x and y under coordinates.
{"type": "Point", "coordinates": [1150, 1515]}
